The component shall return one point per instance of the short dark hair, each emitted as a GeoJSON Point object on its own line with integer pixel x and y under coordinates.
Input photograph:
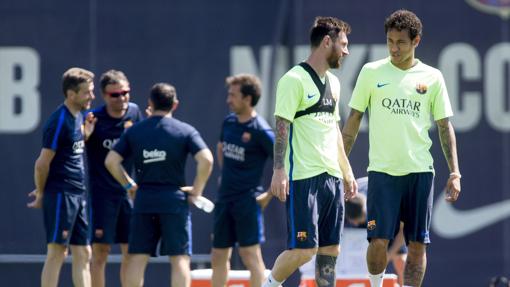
{"type": "Point", "coordinates": [250, 86]}
{"type": "Point", "coordinates": [402, 20]}
{"type": "Point", "coordinates": [327, 26]}
{"type": "Point", "coordinates": [74, 77]}
{"type": "Point", "coordinates": [112, 77]}
{"type": "Point", "coordinates": [163, 96]}
{"type": "Point", "coordinates": [355, 208]}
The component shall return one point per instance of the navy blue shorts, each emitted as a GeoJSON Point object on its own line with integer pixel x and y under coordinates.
{"type": "Point", "coordinates": [110, 219]}
{"type": "Point", "coordinates": [238, 221]}
{"type": "Point", "coordinates": [171, 230]}
{"type": "Point", "coordinates": [65, 218]}
{"type": "Point", "coordinates": [315, 212]}
{"type": "Point", "coordinates": [392, 199]}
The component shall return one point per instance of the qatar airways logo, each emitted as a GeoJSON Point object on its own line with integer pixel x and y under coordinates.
{"type": "Point", "coordinates": [78, 147]}
{"type": "Point", "coordinates": [233, 151]}
{"type": "Point", "coordinates": [109, 143]}
{"type": "Point", "coordinates": [153, 155]}
{"type": "Point", "coordinates": [402, 107]}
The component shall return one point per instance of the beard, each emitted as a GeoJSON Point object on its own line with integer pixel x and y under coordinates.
{"type": "Point", "coordinates": [334, 61]}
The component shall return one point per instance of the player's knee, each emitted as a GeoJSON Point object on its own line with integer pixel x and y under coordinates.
{"type": "Point", "coordinates": [416, 250]}
{"type": "Point", "coordinates": [332, 250]}
{"type": "Point", "coordinates": [305, 255]}
{"type": "Point", "coordinates": [100, 253]}
{"type": "Point", "coordinates": [219, 257]}
{"type": "Point", "coordinates": [81, 254]}
{"type": "Point", "coordinates": [379, 243]}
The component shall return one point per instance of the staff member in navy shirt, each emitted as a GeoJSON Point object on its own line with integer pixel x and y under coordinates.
{"type": "Point", "coordinates": [246, 142]}
{"type": "Point", "coordinates": [159, 147]}
{"type": "Point", "coordinates": [60, 181]}
{"type": "Point", "coordinates": [110, 208]}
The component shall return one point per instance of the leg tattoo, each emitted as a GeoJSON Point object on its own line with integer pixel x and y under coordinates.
{"type": "Point", "coordinates": [325, 275]}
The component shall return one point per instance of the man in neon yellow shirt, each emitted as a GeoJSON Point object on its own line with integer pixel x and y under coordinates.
{"type": "Point", "coordinates": [308, 174]}
{"type": "Point", "coordinates": [401, 93]}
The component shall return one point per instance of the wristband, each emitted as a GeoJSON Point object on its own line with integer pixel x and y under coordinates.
{"type": "Point", "coordinates": [128, 186]}
{"type": "Point", "coordinates": [455, 175]}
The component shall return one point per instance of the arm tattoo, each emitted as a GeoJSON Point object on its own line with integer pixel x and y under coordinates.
{"type": "Point", "coordinates": [280, 143]}
{"type": "Point", "coordinates": [447, 138]}
{"type": "Point", "coordinates": [348, 142]}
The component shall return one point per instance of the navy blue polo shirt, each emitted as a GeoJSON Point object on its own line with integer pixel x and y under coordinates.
{"type": "Point", "coordinates": [159, 147]}
{"type": "Point", "coordinates": [246, 147]}
{"type": "Point", "coordinates": [107, 132]}
{"type": "Point", "coordinates": [63, 133]}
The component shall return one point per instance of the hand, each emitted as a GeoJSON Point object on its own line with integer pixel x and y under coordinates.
{"type": "Point", "coordinates": [264, 198]}
{"type": "Point", "coordinates": [280, 184]}
{"type": "Point", "coordinates": [189, 190]}
{"type": "Point", "coordinates": [452, 188]}
{"type": "Point", "coordinates": [350, 186]}
{"type": "Point", "coordinates": [148, 111]}
{"type": "Point", "coordinates": [132, 191]}
{"type": "Point", "coordinates": [90, 124]}
{"type": "Point", "coordinates": [191, 198]}
{"type": "Point", "coordinates": [37, 202]}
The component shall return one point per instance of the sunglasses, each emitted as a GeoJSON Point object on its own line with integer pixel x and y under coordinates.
{"type": "Point", "coordinates": [118, 94]}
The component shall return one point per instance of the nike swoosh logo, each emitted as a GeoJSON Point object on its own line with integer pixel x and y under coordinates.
{"type": "Point", "coordinates": [311, 96]}
{"type": "Point", "coordinates": [449, 222]}
{"type": "Point", "coordinates": [379, 85]}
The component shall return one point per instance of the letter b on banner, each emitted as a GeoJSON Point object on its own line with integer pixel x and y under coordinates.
{"type": "Point", "coordinates": [20, 107]}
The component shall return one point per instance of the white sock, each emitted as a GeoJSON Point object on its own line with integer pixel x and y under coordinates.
{"type": "Point", "coordinates": [376, 280]}
{"type": "Point", "coordinates": [271, 282]}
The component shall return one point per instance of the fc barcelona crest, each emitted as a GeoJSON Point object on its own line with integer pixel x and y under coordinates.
{"type": "Point", "coordinates": [421, 88]}
{"type": "Point", "coordinates": [301, 235]}
{"type": "Point", "coordinates": [128, 124]}
{"type": "Point", "coordinates": [498, 7]}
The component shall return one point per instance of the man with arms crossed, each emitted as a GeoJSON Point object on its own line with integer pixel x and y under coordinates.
{"type": "Point", "coordinates": [60, 181]}
{"type": "Point", "coordinates": [311, 170]}
{"type": "Point", "coordinates": [246, 142]}
{"type": "Point", "coordinates": [159, 147]}
{"type": "Point", "coordinates": [110, 208]}
{"type": "Point", "coordinates": [401, 93]}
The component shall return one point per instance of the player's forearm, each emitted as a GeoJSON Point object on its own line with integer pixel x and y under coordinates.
{"type": "Point", "coordinates": [343, 161]}
{"type": "Point", "coordinates": [448, 144]}
{"type": "Point", "coordinates": [350, 130]}
{"type": "Point", "coordinates": [41, 172]}
{"type": "Point", "coordinates": [219, 155]}
{"type": "Point", "coordinates": [204, 161]}
{"type": "Point", "coordinates": [280, 142]}
{"type": "Point", "coordinates": [113, 163]}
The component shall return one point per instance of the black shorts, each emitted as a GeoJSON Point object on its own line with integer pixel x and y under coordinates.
{"type": "Point", "coordinates": [392, 199]}
{"type": "Point", "coordinates": [65, 218]}
{"type": "Point", "coordinates": [238, 221]}
{"type": "Point", "coordinates": [112, 217]}
{"type": "Point", "coordinates": [172, 229]}
{"type": "Point", "coordinates": [315, 212]}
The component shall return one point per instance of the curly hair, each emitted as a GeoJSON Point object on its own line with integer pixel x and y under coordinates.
{"type": "Point", "coordinates": [327, 26]}
{"type": "Point", "coordinates": [404, 19]}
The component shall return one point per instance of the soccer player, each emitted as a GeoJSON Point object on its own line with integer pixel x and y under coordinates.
{"type": "Point", "coordinates": [356, 216]}
{"type": "Point", "coordinates": [60, 181]}
{"type": "Point", "coordinates": [246, 142]}
{"type": "Point", "coordinates": [401, 93]}
{"type": "Point", "coordinates": [159, 147]}
{"type": "Point", "coordinates": [308, 174]}
{"type": "Point", "coordinates": [110, 207]}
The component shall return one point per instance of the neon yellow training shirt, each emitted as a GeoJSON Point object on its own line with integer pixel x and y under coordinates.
{"type": "Point", "coordinates": [400, 104]}
{"type": "Point", "coordinates": [313, 138]}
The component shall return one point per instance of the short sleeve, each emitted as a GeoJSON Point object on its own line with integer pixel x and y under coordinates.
{"type": "Point", "coordinates": [52, 131]}
{"type": "Point", "coordinates": [268, 141]}
{"type": "Point", "coordinates": [441, 107]}
{"type": "Point", "coordinates": [195, 142]}
{"type": "Point", "coordinates": [123, 146]}
{"type": "Point", "coordinates": [288, 97]}
{"type": "Point", "coordinates": [361, 93]}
